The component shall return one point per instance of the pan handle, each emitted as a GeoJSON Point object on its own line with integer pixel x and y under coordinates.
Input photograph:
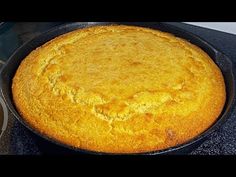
{"type": "Point", "coordinates": [4, 109]}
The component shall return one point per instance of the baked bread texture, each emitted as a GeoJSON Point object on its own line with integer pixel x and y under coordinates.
{"type": "Point", "coordinates": [119, 89]}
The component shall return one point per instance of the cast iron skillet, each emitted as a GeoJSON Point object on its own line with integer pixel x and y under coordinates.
{"type": "Point", "coordinates": [219, 58]}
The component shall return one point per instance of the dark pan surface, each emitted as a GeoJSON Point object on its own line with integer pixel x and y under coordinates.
{"type": "Point", "coordinates": [220, 59]}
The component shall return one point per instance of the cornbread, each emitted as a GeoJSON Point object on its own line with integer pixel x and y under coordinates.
{"type": "Point", "coordinates": [119, 89]}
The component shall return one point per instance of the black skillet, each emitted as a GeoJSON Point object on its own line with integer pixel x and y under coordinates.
{"type": "Point", "coordinates": [219, 58]}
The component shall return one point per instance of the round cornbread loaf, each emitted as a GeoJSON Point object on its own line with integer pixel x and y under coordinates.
{"type": "Point", "coordinates": [119, 89]}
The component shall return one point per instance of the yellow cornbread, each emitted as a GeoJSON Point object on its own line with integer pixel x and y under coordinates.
{"type": "Point", "coordinates": [119, 89]}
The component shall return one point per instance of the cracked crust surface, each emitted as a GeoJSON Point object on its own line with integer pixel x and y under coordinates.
{"type": "Point", "coordinates": [119, 89]}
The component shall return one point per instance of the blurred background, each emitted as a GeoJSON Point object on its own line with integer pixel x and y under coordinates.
{"type": "Point", "coordinates": [229, 27]}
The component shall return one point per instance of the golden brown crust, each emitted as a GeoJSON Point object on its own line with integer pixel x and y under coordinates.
{"type": "Point", "coordinates": [119, 89]}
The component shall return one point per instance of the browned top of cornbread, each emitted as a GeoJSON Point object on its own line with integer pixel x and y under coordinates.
{"type": "Point", "coordinates": [120, 89]}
